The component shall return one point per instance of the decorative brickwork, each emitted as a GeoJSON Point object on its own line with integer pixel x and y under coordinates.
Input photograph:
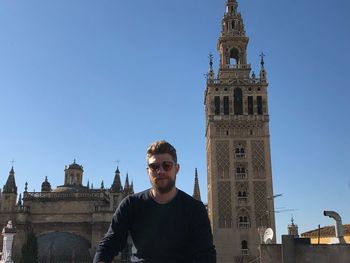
{"type": "Point", "coordinates": [260, 201]}
{"type": "Point", "coordinates": [223, 159]}
{"type": "Point", "coordinates": [258, 159]}
{"type": "Point", "coordinates": [225, 207]}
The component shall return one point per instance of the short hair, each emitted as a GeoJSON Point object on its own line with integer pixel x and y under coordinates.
{"type": "Point", "coordinates": [160, 147]}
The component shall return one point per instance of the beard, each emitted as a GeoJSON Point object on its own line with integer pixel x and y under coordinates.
{"type": "Point", "coordinates": [164, 185]}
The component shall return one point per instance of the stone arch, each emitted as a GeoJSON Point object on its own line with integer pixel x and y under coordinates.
{"type": "Point", "coordinates": [63, 245]}
{"type": "Point", "coordinates": [243, 218]}
{"type": "Point", "coordinates": [235, 56]}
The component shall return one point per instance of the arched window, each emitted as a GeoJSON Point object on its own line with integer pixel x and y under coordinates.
{"type": "Point", "coordinates": [217, 105]}
{"type": "Point", "coordinates": [243, 219]}
{"type": "Point", "coordinates": [238, 102]}
{"type": "Point", "coordinates": [244, 244]}
{"type": "Point", "coordinates": [226, 106]}
{"type": "Point", "coordinates": [259, 105]}
{"type": "Point", "coordinates": [234, 56]}
{"type": "Point", "coordinates": [239, 151]}
{"type": "Point", "coordinates": [241, 172]}
{"type": "Point", "coordinates": [250, 105]}
{"type": "Point", "coordinates": [244, 248]}
{"type": "Point", "coordinates": [231, 9]}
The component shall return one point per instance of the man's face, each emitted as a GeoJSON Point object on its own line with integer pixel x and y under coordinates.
{"type": "Point", "coordinates": [162, 172]}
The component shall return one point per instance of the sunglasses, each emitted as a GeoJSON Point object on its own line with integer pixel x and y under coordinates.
{"type": "Point", "coordinates": [166, 165]}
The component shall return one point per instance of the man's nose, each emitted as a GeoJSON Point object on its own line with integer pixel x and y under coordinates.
{"type": "Point", "coordinates": [160, 169]}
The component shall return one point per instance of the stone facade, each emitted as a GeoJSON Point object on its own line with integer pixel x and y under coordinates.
{"type": "Point", "coordinates": [68, 221]}
{"type": "Point", "coordinates": [240, 194]}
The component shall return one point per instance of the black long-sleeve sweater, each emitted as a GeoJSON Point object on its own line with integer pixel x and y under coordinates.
{"type": "Point", "coordinates": [175, 232]}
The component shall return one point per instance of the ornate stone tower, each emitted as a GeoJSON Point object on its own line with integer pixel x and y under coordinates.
{"type": "Point", "coordinates": [240, 195]}
{"type": "Point", "coordinates": [9, 194]}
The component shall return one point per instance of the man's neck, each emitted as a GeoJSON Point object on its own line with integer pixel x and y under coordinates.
{"type": "Point", "coordinates": [163, 198]}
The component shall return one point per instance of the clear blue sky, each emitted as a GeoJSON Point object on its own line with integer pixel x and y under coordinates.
{"type": "Point", "coordinates": [99, 80]}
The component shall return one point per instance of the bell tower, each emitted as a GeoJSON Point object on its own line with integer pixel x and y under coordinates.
{"type": "Point", "coordinates": [240, 194]}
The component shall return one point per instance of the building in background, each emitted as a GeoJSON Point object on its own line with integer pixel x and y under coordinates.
{"type": "Point", "coordinates": [240, 194]}
{"type": "Point", "coordinates": [326, 235]}
{"type": "Point", "coordinates": [68, 221]}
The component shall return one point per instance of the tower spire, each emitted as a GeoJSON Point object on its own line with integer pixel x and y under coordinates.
{"type": "Point", "coordinates": [116, 186]}
{"type": "Point", "coordinates": [126, 185]}
{"type": "Point", "coordinates": [10, 186]}
{"type": "Point", "coordinates": [196, 191]}
{"type": "Point", "coordinates": [232, 44]}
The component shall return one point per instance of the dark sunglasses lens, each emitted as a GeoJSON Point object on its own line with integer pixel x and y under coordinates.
{"type": "Point", "coordinates": [153, 166]}
{"type": "Point", "coordinates": [167, 166]}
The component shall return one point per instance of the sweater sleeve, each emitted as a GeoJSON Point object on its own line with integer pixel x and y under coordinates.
{"type": "Point", "coordinates": [203, 249]}
{"type": "Point", "coordinates": [115, 239]}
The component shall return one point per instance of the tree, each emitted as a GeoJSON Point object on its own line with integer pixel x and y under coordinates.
{"type": "Point", "coordinates": [30, 249]}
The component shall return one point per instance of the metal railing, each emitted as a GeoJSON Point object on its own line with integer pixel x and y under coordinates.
{"type": "Point", "coordinates": [242, 199]}
{"type": "Point", "coordinates": [244, 252]}
{"type": "Point", "coordinates": [241, 176]}
{"type": "Point", "coordinates": [243, 225]}
{"type": "Point", "coordinates": [240, 155]}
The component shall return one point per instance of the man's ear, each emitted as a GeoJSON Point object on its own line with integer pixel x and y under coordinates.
{"type": "Point", "coordinates": [177, 167]}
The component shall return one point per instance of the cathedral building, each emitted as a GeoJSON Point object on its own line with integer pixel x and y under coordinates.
{"type": "Point", "coordinates": [69, 220]}
{"type": "Point", "coordinates": [240, 194]}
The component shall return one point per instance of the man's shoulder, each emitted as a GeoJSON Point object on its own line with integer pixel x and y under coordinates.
{"type": "Point", "coordinates": [134, 200]}
{"type": "Point", "coordinates": [189, 199]}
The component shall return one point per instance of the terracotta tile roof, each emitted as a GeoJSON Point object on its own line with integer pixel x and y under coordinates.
{"type": "Point", "coordinates": [327, 231]}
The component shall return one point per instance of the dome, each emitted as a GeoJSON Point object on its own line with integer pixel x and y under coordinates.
{"type": "Point", "coordinates": [74, 165]}
{"type": "Point", "coordinates": [45, 186]}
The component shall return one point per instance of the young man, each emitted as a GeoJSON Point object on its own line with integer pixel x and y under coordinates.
{"type": "Point", "coordinates": [166, 225]}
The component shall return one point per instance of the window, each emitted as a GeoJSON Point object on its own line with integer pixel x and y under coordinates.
{"type": "Point", "coordinates": [240, 152]}
{"type": "Point", "coordinates": [244, 248]}
{"type": "Point", "coordinates": [226, 106]}
{"type": "Point", "coordinates": [259, 105]}
{"type": "Point", "coordinates": [217, 105]}
{"type": "Point", "coordinates": [238, 104]}
{"type": "Point", "coordinates": [242, 196]}
{"type": "Point", "coordinates": [250, 105]}
{"type": "Point", "coordinates": [241, 173]}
